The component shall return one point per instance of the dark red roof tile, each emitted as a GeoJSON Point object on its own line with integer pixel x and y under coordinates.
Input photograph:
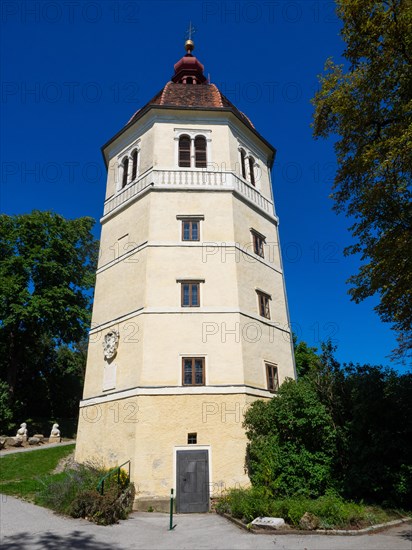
{"type": "Point", "coordinates": [191, 95]}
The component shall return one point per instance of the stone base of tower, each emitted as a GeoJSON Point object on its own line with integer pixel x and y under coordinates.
{"type": "Point", "coordinates": [193, 444]}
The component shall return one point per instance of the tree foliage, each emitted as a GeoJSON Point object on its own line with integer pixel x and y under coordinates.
{"type": "Point", "coordinates": [292, 442]}
{"type": "Point", "coordinates": [368, 105]}
{"type": "Point", "coordinates": [343, 428]}
{"type": "Point", "coordinates": [47, 266]}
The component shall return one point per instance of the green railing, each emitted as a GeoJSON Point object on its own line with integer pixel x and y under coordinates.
{"type": "Point", "coordinates": [100, 485]}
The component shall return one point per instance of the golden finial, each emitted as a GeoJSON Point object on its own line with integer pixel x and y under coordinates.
{"type": "Point", "coordinates": [189, 44]}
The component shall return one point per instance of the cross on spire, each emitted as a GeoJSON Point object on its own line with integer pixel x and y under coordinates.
{"type": "Point", "coordinates": [190, 31]}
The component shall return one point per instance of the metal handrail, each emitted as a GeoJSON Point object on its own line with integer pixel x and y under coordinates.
{"type": "Point", "coordinates": [100, 485]}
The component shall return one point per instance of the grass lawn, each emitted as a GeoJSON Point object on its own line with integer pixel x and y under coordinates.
{"type": "Point", "coordinates": [20, 472]}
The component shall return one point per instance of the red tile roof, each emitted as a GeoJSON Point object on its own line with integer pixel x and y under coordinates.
{"type": "Point", "coordinates": [191, 96]}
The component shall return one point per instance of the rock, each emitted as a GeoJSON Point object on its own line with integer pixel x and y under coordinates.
{"type": "Point", "coordinates": [273, 523]}
{"type": "Point", "coordinates": [54, 439]}
{"type": "Point", "coordinates": [14, 442]}
{"type": "Point", "coordinates": [39, 436]}
{"type": "Point", "coordinates": [34, 440]}
{"type": "Point", "coordinates": [309, 521]}
{"type": "Point", "coordinates": [2, 443]}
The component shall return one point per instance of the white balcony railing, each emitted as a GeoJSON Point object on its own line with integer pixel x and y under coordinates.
{"type": "Point", "coordinates": [188, 179]}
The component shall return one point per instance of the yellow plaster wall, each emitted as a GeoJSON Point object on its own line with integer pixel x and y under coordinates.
{"type": "Point", "coordinates": [168, 338]}
{"type": "Point", "coordinates": [128, 358]}
{"type": "Point", "coordinates": [147, 429]}
{"type": "Point", "coordinates": [120, 289]}
{"type": "Point", "coordinates": [133, 222]}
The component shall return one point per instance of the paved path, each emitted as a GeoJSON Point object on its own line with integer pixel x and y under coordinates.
{"type": "Point", "coordinates": [7, 452]}
{"type": "Point", "coordinates": [25, 526]}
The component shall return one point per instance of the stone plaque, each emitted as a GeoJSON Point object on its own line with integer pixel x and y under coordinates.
{"type": "Point", "coordinates": [109, 376]}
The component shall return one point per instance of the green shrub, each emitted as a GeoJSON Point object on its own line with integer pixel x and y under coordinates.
{"type": "Point", "coordinates": [332, 511]}
{"type": "Point", "coordinates": [57, 492]}
{"type": "Point", "coordinates": [104, 509]}
{"type": "Point", "coordinates": [292, 442]}
{"type": "Point", "coordinates": [74, 493]}
{"type": "Point", "coordinates": [245, 504]}
{"type": "Point", "coordinates": [292, 509]}
{"type": "Point", "coordinates": [122, 478]}
{"type": "Point", "coordinates": [84, 504]}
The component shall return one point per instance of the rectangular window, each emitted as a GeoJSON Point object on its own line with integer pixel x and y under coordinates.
{"type": "Point", "coordinates": [190, 230]}
{"type": "Point", "coordinates": [258, 242]}
{"type": "Point", "coordinates": [272, 377]}
{"type": "Point", "coordinates": [192, 439]}
{"type": "Point", "coordinates": [193, 371]}
{"type": "Point", "coordinates": [190, 294]}
{"type": "Point", "coordinates": [264, 309]}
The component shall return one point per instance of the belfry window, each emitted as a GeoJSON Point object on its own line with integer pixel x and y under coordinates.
{"type": "Point", "coordinates": [134, 164]}
{"type": "Point", "coordinates": [125, 164]}
{"type": "Point", "coordinates": [252, 171]}
{"type": "Point", "coordinates": [200, 152]}
{"type": "Point", "coordinates": [243, 163]}
{"type": "Point", "coordinates": [184, 151]}
{"type": "Point", "coordinates": [192, 151]}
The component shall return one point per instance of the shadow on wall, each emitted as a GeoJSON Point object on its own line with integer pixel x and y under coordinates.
{"type": "Point", "coordinates": [52, 541]}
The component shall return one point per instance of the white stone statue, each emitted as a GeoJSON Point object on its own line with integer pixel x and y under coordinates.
{"type": "Point", "coordinates": [55, 432]}
{"type": "Point", "coordinates": [22, 431]}
{"type": "Point", "coordinates": [110, 344]}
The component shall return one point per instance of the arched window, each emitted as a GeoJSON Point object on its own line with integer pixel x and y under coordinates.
{"type": "Point", "coordinates": [200, 152]}
{"type": "Point", "coordinates": [125, 164]}
{"type": "Point", "coordinates": [134, 164]}
{"type": "Point", "coordinates": [252, 170]}
{"type": "Point", "coordinates": [189, 80]}
{"type": "Point", "coordinates": [184, 151]}
{"type": "Point", "coordinates": [243, 163]}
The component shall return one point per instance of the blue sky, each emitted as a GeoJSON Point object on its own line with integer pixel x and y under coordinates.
{"type": "Point", "coordinates": [73, 73]}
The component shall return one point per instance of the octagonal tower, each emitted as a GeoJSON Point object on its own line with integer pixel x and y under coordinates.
{"type": "Point", "coordinates": [190, 320]}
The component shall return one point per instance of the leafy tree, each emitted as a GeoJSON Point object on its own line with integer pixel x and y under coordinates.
{"type": "Point", "coordinates": [368, 106]}
{"type": "Point", "coordinates": [47, 266]}
{"type": "Point", "coordinates": [379, 435]}
{"type": "Point", "coordinates": [348, 428]}
{"type": "Point", "coordinates": [6, 414]}
{"type": "Point", "coordinates": [306, 358]}
{"type": "Point", "coordinates": [292, 442]}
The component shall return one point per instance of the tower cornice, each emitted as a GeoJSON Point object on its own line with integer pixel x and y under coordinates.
{"type": "Point", "coordinates": [170, 108]}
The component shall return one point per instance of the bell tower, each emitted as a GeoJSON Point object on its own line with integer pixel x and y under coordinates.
{"type": "Point", "coordinates": [190, 321]}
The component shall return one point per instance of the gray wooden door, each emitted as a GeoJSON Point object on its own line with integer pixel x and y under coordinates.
{"type": "Point", "coordinates": [192, 487]}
